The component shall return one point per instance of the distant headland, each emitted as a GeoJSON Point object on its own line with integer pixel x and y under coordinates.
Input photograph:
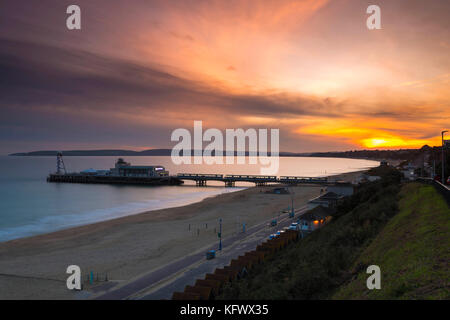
{"type": "Point", "coordinates": [101, 152]}
{"type": "Point", "coordinates": [400, 154]}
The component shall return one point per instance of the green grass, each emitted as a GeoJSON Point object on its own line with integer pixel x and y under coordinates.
{"type": "Point", "coordinates": [412, 250]}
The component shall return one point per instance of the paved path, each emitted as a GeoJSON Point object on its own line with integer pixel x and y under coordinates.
{"type": "Point", "coordinates": [161, 283]}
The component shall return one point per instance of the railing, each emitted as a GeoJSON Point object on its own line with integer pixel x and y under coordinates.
{"type": "Point", "coordinates": [302, 179]}
{"type": "Point", "coordinates": [251, 177]}
{"type": "Point", "coordinates": [197, 175]}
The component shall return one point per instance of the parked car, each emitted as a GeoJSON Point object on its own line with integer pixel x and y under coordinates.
{"type": "Point", "coordinates": [294, 226]}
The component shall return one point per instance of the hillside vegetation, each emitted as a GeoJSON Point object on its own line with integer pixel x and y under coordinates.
{"type": "Point", "coordinates": [316, 266]}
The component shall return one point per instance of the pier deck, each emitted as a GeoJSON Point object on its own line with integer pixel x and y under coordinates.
{"type": "Point", "coordinates": [82, 178]}
{"type": "Point", "coordinates": [200, 179]}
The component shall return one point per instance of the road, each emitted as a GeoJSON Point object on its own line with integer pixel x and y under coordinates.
{"type": "Point", "coordinates": [161, 283]}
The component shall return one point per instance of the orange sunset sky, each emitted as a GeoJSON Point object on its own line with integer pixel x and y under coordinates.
{"type": "Point", "coordinates": [139, 69]}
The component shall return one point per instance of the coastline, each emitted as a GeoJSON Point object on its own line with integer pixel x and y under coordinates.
{"type": "Point", "coordinates": [36, 228]}
{"type": "Point", "coordinates": [124, 248]}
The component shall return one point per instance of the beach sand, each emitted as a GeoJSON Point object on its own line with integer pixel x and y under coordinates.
{"type": "Point", "coordinates": [124, 248]}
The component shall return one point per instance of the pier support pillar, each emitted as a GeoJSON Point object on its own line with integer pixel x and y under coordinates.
{"type": "Point", "coordinates": [201, 183]}
{"type": "Point", "coordinates": [229, 183]}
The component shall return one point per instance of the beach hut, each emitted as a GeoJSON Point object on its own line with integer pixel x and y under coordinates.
{"type": "Point", "coordinates": [315, 218]}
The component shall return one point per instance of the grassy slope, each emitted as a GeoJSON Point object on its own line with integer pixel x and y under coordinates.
{"type": "Point", "coordinates": [412, 250]}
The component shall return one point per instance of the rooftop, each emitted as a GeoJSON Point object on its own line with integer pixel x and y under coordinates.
{"type": "Point", "coordinates": [318, 213]}
{"type": "Point", "coordinates": [330, 196]}
{"type": "Point", "coordinates": [140, 167]}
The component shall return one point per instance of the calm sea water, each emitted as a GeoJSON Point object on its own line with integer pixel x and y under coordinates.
{"type": "Point", "coordinates": [29, 205]}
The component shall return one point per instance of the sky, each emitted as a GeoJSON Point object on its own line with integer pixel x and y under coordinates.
{"type": "Point", "coordinates": [137, 70]}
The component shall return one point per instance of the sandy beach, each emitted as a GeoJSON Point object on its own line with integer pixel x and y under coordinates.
{"type": "Point", "coordinates": [124, 248]}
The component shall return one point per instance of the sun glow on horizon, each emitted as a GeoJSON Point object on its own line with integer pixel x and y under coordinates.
{"type": "Point", "coordinates": [368, 135]}
{"type": "Point", "coordinates": [393, 142]}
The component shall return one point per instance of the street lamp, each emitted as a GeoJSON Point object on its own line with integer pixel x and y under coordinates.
{"type": "Point", "coordinates": [443, 177]}
{"type": "Point", "coordinates": [220, 234]}
{"type": "Point", "coordinates": [292, 193]}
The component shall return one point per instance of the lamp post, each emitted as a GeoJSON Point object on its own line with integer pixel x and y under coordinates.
{"type": "Point", "coordinates": [220, 234]}
{"type": "Point", "coordinates": [292, 193]}
{"type": "Point", "coordinates": [443, 172]}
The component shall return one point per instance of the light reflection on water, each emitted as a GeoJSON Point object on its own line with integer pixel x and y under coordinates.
{"type": "Point", "coordinates": [29, 205]}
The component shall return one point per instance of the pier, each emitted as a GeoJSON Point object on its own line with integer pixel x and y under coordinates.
{"type": "Point", "coordinates": [124, 173]}
{"type": "Point", "coordinates": [83, 178]}
{"type": "Point", "coordinates": [258, 180]}
{"type": "Point", "coordinates": [200, 179]}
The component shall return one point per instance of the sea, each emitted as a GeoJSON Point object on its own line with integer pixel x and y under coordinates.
{"type": "Point", "coordinates": [29, 205]}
